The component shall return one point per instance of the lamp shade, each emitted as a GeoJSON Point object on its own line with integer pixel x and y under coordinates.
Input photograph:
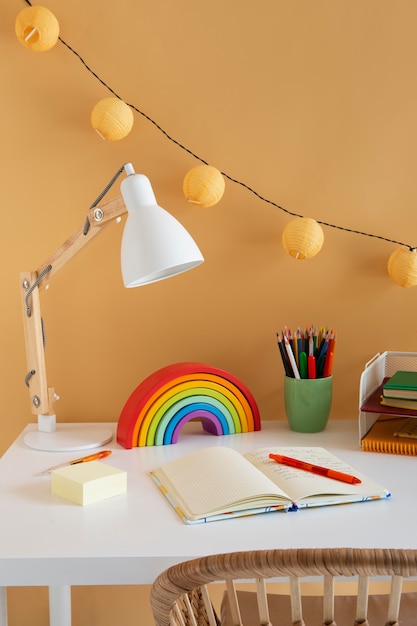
{"type": "Point", "coordinates": [112, 119]}
{"type": "Point", "coordinates": [37, 28]}
{"type": "Point", "coordinates": [154, 244]}
{"type": "Point", "coordinates": [402, 267]}
{"type": "Point", "coordinates": [303, 238]}
{"type": "Point", "coordinates": [204, 185]}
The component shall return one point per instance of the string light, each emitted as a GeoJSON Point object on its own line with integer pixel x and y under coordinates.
{"type": "Point", "coordinates": [37, 28]}
{"type": "Point", "coordinates": [112, 119]}
{"type": "Point", "coordinates": [303, 238]}
{"type": "Point", "coordinates": [402, 267]}
{"type": "Point", "coordinates": [408, 281]}
{"type": "Point", "coordinates": [203, 185]}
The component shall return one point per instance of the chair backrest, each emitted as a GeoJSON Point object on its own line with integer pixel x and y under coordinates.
{"type": "Point", "coordinates": [180, 596]}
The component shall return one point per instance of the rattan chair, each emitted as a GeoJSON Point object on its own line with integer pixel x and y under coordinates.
{"type": "Point", "coordinates": [180, 595]}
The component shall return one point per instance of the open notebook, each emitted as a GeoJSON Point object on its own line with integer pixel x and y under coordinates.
{"type": "Point", "coordinates": [218, 483]}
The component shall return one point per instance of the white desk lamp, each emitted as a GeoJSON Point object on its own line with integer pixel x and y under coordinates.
{"type": "Point", "coordinates": [154, 246]}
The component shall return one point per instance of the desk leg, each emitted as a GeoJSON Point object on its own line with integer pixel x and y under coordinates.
{"type": "Point", "coordinates": [3, 606]}
{"type": "Point", "coordinates": [60, 606]}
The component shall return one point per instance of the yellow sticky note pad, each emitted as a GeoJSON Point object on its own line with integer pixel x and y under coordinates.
{"type": "Point", "coordinates": [85, 483]}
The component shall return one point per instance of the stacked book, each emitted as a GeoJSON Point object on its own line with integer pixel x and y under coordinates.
{"type": "Point", "coordinates": [400, 391]}
{"type": "Point", "coordinates": [394, 431]}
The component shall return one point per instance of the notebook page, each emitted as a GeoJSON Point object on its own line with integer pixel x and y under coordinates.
{"type": "Point", "coordinates": [212, 479]}
{"type": "Point", "coordinates": [302, 484]}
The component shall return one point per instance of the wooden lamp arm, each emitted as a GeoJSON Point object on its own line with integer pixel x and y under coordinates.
{"type": "Point", "coordinates": [98, 217]}
{"type": "Point", "coordinates": [43, 397]}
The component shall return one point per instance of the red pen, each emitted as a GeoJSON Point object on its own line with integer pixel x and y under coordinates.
{"type": "Point", "coordinates": [311, 365]}
{"type": "Point", "coordinates": [315, 469]}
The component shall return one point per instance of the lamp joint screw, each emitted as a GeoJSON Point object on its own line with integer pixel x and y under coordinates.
{"type": "Point", "coordinates": [98, 215]}
{"type": "Point", "coordinates": [36, 401]}
{"type": "Point", "coordinates": [25, 284]}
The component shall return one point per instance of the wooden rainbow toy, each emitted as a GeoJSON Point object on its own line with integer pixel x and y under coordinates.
{"type": "Point", "coordinates": [161, 404]}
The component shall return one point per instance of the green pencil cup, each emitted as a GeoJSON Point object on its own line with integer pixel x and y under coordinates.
{"type": "Point", "coordinates": [307, 403]}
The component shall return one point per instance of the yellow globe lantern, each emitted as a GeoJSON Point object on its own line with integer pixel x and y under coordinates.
{"type": "Point", "coordinates": [112, 119]}
{"type": "Point", "coordinates": [203, 185]}
{"type": "Point", "coordinates": [303, 238]}
{"type": "Point", "coordinates": [37, 28]}
{"type": "Point", "coordinates": [402, 267]}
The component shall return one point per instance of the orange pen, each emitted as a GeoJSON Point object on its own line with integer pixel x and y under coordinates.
{"type": "Point", "coordinates": [91, 457]}
{"type": "Point", "coordinates": [315, 469]}
{"type": "Point", "coordinates": [328, 364]}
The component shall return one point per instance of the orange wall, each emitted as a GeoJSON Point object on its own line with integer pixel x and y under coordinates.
{"type": "Point", "coordinates": [310, 104]}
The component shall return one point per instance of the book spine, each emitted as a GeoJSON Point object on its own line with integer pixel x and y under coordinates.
{"type": "Point", "coordinates": [390, 447]}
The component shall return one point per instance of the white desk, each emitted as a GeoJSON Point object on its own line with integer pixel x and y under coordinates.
{"type": "Point", "coordinates": [130, 539]}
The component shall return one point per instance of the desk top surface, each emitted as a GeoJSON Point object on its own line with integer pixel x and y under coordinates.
{"type": "Point", "coordinates": [129, 539]}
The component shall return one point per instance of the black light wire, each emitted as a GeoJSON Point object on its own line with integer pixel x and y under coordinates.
{"type": "Point", "coordinates": [227, 176]}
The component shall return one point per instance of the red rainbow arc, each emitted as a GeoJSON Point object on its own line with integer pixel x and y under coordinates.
{"type": "Point", "coordinates": [158, 408]}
